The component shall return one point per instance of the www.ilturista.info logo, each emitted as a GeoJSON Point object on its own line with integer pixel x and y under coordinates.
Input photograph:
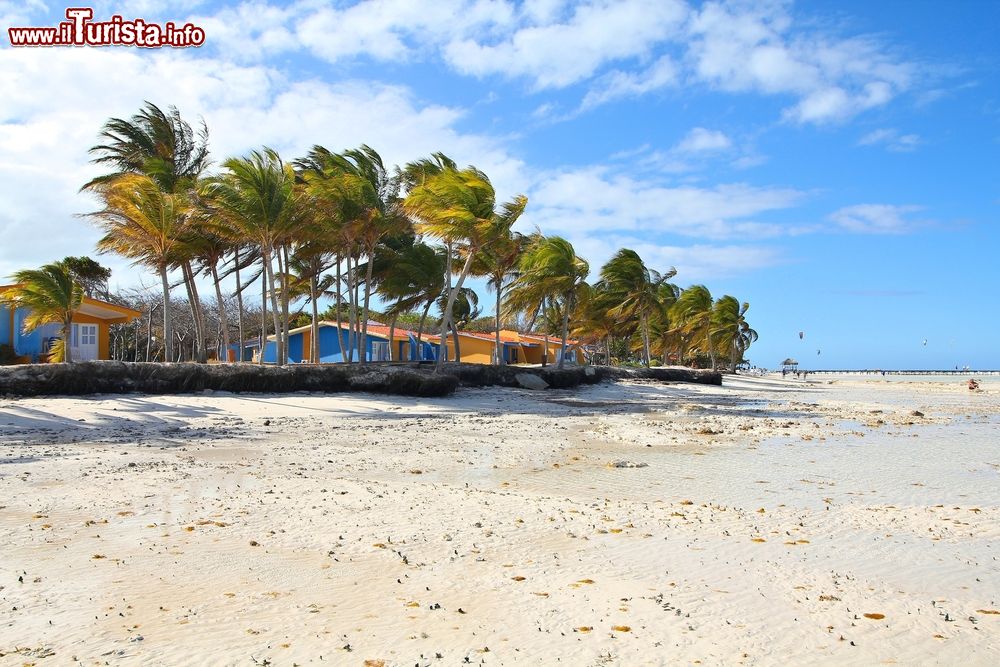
{"type": "Point", "coordinates": [79, 30]}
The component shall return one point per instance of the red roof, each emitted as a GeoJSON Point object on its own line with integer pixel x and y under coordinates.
{"type": "Point", "coordinates": [398, 332]}
{"type": "Point", "coordinates": [552, 338]}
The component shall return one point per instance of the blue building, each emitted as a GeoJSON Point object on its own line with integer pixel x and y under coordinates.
{"type": "Point", "coordinates": [375, 347]}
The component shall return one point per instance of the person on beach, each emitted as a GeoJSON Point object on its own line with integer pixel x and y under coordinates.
{"type": "Point", "coordinates": [973, 385]}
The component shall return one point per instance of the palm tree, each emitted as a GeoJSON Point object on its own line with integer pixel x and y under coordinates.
{"type": "Point", "coordinates": [162, 147]}
{"type": "Point", "coordinates": [341, 197]}
{"type": "Point", "coordinates": [498, 261]}
{"type": "Point", "coordinates": [594, 322]}
{"type": "Point", "coordinates": [458, 207]}
{"type": "Point", "coordinates": [464, 310]}
{"type": "Point", "coordinates": [550, 268]}
{"type": "Point", "coordinates": [693, 316]}
{"type": "Point", "coordinates": [664, 338]}
{"type": "Point", "coordinates": [51, 296]}
{"type": "Point", "coordinates": [411, 276]}
{"type": "Point", "coordinates": [259, 200]}
{"type": "Point", "coordinates": [142, 222]}
{"type": "Point", "coordinates": [159, 144]}
{"type": "Point", "coordinates": [634, 289]}
{"type": "Point", "coordinates": [730, 328]}
{"type": "Point", "coordinates": [380, 215]}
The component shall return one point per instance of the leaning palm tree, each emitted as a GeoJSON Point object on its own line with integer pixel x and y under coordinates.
{"type": "Point", "coordinates": [258, 198]}
{"type": "Point", "coordinates": [51, 296]}
{"type": "Point", "coordinates": [142, 222]}
{"type": "Point", "coordinates": [163, 147]}
{"type": "Point", "coordinates": [340, 197]}
{"type": "Point", "coordinates": [730, 329]}
{"type": "Point", "coordinates": [464, 310]}
{"type": "Point", "coordinates": [410, 276]}
{"type": "Point", "coordinates": [550, 269]}
{"type": "Point", "coordinates": [692, 314]}
{"type": "Point", "coordinates": [498, 262]}
{"type": "Point", "coordinates": [159, 144]}
{"type": "Point", "coordinates": [380, 215]}
{"type": "Point", "coordinates": [665, 339]}
{"type": "Point", "coordinates": [458, 207]}
{"type": "Point", "coordinates": [594, 321]}
{"type": "Point", "coordinates": [634, 289]}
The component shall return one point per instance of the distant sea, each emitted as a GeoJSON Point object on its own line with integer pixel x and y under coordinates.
{"type": "Point", "coordinates": [991, 377]}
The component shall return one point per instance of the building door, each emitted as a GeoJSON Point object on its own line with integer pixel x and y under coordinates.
{"type": "Point", "coordinates": [380, 351]}
{"type": "Point", "coordinates": [84, 347]}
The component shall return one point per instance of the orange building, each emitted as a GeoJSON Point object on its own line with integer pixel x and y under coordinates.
{"type": "Point", "coordinates": [518, 348]}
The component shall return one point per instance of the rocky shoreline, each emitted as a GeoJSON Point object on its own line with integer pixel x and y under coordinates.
{"type": "Point", "coordinates": [116, 377]}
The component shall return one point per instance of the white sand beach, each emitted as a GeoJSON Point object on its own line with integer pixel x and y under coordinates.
{"type": "Point", "coordinates": [764, 522]}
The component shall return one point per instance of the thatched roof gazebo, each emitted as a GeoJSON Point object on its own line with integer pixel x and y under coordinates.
{"type": "Point", "coordinates": [790, 365]}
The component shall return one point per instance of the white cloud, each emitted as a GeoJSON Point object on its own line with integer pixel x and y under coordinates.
{"type": "Point", "coordinates": [45, 160]}
{"type": "Point", "coordinates": [875, 218]}
{"type": "Point", "coordinates": [700, 140]}
{"type": "Point", "coordinates": [696, 150]}
{"type": "Point", "coordinates": [891, 139]}
{"type": "Point", "coordinates": [591, 200]}
{"type": "Point", "coordinates": [249, 31]}
{"type": "Point", "coordinates": [396, 29]}
{"type": "Point", "coordinates": [559, 54]}
{"type": "Point", "coordinates": [695, 263]}
{"type": "Point", "coordinates": [758, 48]}
{"type": "Point", "coordinates": [619, 84]}
{"type": "Point", "coordinates": [618, 49]}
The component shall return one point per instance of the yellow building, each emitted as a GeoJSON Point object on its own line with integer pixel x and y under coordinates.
{"type": "Point", "coordinates": [518, 348]}
{"type": "Point", "coordinates": [476, 348]}
{"type": "Point", "coordinates": [89, 337]}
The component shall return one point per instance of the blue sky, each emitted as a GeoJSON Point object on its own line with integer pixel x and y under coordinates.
{"type": "Point", "coordinates": [833, 163]}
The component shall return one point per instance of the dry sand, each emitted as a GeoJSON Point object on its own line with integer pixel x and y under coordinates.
{"type": "Point", "coordinates": [762, 522]}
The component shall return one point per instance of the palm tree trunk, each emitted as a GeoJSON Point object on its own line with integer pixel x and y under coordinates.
{"type": "Point", "coordinates": [352, 341]}
{"type": "Point", "coordinates": [285, 296]}
{"type": "Point", "coordinates": [452, 295]}
{"type": "Point", "coordinates": [565, 332]}
{"type": "Point", "coordinates": [420, 330]}
{"type": "Point", "coordinates": [195, 305]}
{"type": "Point", "coordinates": [711, 350]}
{"type": "Point", "coordinates": [279, 360]}
{"type": "Point", "coordinates": [314, 331]}
{"type": "Point", "coordinates": [149, 332]}
{"type": "Point", "coordinates": [499, 347]}
{"type": "Point", "coordinates": [239, 305]}
{"type": "Point", "coordinates": [263, 311]}
{"type": "Point", "coordinates": [368, 292]}
{"type": "Point", "coordinates": [67, 331]}
{"type": "Point", "coordinates": [340, 330]}
{"type": "Point", "coordinates": [361, 345]}
{"type": "Point", "coordinates": [645, 340]}
{"type": "Point", "coordinates": [223, 318]}
{"type": "Point", "coordinates": [607, 350]}
{"type": "Point", "coordinates": [454, 339]}
{"type": "Point", "coordinates": [168, 333]}
{"type": "Point", "coordinates": [280, 326]}
{"type": "Point", "coordinates": [392, 333]}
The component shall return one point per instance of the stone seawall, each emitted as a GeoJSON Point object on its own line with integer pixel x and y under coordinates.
{"type": "Point", "coordinates": [116, 377]}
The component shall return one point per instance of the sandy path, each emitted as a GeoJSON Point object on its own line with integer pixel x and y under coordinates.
{"type": "Point", "coordinates": [766, 520]}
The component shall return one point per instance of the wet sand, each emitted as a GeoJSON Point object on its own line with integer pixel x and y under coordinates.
{"type": "Point", "coordinates": [762, 522]}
